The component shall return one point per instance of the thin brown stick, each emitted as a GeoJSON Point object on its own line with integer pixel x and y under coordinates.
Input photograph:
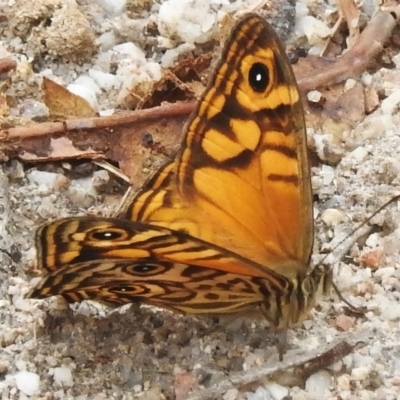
{"type": "Point", "coordinates": [356, 60]}
{"type": "Point", "coordinates": [322, 361]}
{"type": "Point", "coordinates": [299, 363]}
{"type": "Point", "coordinates": [128, 118]}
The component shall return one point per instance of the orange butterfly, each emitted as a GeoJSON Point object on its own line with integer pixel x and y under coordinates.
{"type": "Point", "coordinates": [227, 225]}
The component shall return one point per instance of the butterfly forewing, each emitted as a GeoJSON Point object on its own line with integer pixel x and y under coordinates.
{"type": "Point", "coordinates": [243, 163]}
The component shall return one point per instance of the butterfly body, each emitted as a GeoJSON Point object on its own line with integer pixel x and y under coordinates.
{"type": "Point", "coordinates": [227, 225]}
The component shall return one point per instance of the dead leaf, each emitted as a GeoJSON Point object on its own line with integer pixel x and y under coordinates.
{"type": "Point", "coordinates": [63, 104]}
{"type": "Point", "coordinates": [343, 107]}
{"type": "Point", "coordinates": [57, 149]}
{"type": "Point", "coordinates": [135, 140]}
{"type": "Point", "coordinates": [180, 83]}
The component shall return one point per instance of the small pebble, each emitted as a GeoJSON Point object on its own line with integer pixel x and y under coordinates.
{"type": "Point", "coordinates": [27, 382]}
{"type": "Point", "coordinates": [128, 54]}
{"type": "Point", "coordinates": [104, 80]}
{"type": "Point", "coordinates": [33, 109]}
{"type": "Point", "coordinates": [86, 93]}
{"type": "Point", "coordinates": [50, 180]}
{"type": "Point", "coordinates": [315, 30]}
{"type": "Point", "coordinates": [314, 96]}
{"type": "Point", "coordinates": [137, 388]}
{"type": "Point", "coordinates": [360, 373]}
{"type": "Point", "coordinates": [88, 82]}
{"type": "Point", "coordinates": [318, 384]}
{"type": "Point", "coordinates": [343, 382]}
{"type": "Point", "coordinates": [277, 391]}
{"type": "Point", "coordinates": [390, 105]}
{"type": "Point", "coordinates": [359, 154]}
{"type": "Point", "coordinates": [328, 174]}
{"type": "Point", "coordinates": [187, 21]}
{"type": "Point", "coordinates": [100, 179]}
{"type": "Point", "coordinates": [344, 323]}
{"type": "Point", "coordinates": [350, 83]}
{"type": "Point", "coordinates": [113, 6]}
{"type": "Point", "coordinates": [390, 310]}
{"type": "Point", "coordinates": [372, 258]}
{"type": "Point", "coordinates": [231, 394]}
{"type": "Point", "coordinates": [260, 394]}
{"type": "Point", "coordinates": [385, 273]}
{"type": "Point", "coordinates": [63, 376]}
{"type": "Point", "coordinates": [332, 216]}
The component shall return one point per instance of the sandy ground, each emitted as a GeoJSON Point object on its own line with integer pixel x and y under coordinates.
{"type": "Point", "coordinates": [90, 352]}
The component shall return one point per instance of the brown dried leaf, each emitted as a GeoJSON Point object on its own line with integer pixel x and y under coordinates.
{"type": "Point", "coordinates": [63, 104]}
{"type": "Point", "coordinates": [344, 107]}
{"type": "Point", "coordinates": [191, 69]}
{"type": "Point", "coordinates": [55, 149]}
{"type": "Point", "coordinates": [340, 111]}
{"type": "Point", "coordinates": [179, 83]}
{"type": "Point", "coordinates": [143, 148]}
{"type": "Point", "coordinates": [130, 139]}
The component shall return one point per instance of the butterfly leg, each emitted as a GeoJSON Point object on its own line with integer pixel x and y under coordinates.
{"type": "Point", "coordinates": [281, 343]}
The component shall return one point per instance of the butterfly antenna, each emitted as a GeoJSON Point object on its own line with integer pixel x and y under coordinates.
{"type": "Point", "coordinates": [358, 310]}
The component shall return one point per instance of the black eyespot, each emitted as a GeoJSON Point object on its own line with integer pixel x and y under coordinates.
{"type": "Point", "coordinates": [145, 268]}
{"type": "Point", "coordinates": [107, 235]}
{"type": "Point", "coordinates": [259, 77]}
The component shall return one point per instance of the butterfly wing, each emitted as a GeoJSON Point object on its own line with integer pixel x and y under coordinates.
{"type": "Point", "coordinates": [118, 261]}
{"type": "Point", "coordinates": [241, 179]}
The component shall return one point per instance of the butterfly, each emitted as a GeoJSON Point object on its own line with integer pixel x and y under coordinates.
{"type": "Point", "coordinates": [227, 225]}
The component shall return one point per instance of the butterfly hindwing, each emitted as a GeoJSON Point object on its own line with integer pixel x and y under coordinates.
{"type": "Point", "coordinates": [118, 261]}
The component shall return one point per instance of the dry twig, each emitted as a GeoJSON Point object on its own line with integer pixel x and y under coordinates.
{"type": "Point", "coordinates": [325, 71]}
{"type": "Point", "coordinates": [301, 363]}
